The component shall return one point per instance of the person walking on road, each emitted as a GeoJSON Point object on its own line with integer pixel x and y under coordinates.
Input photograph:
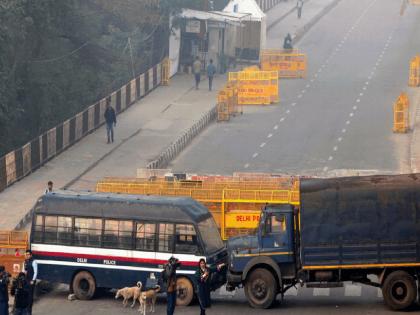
{"type": "Point", "coordinates": [31, 273]}
{"type": "Point", "coordinates": [211, 71]}
{"type": "Point", "coordinates": [4, 292]}
{"type": "Point", "coordinates": [197, 71]}
{"type": "Point", "coordinates": [21, 290]}
{"type": "Point", "coordinates": [111, 121]}
{"type": "Point", "coordinates": [202, 276]}
{"type": "Point", "coordinates": [299, 6]}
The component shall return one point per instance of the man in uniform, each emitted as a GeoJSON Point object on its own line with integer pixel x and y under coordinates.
{"type": "Point", "coordinates": [31, 273]}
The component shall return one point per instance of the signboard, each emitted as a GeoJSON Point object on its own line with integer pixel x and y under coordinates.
{"type": "Point", "coordinates": [242, 220]}
{"type": "Point", "coordinates": [193, 26]}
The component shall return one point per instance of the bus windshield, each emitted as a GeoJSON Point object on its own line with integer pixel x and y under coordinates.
{"type": "Point", "coordinates": [210, 235]}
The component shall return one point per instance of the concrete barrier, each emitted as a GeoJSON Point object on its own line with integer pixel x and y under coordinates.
{"type": "Point", "coordinates": [172, 151]}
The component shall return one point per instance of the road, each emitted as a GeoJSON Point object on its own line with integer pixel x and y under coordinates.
{"type": "Point", "coordinates": [340, 116]}
{"type": "Point", "coordinates": [351, 299]}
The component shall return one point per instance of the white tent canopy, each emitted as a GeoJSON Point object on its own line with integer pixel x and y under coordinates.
{"type": "Point", "coordinates": [245, 7]}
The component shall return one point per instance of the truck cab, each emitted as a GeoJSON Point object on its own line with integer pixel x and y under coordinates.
{"type": "Point", "coordinates": [263, 263]}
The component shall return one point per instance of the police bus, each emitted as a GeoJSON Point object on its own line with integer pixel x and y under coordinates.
{"type": "Point", "coordinates": [96, 240]}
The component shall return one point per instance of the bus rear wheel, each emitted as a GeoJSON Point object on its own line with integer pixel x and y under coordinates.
{"type": "Point", "coordinates": [185, 291]}
{"type": "Point", "coordinates": [84, 285]}
{"type": "Point", "coordinates": [399, 290]}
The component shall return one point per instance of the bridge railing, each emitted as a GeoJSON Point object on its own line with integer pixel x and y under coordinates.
{"type": "Point", "coordinates": [21, 162]}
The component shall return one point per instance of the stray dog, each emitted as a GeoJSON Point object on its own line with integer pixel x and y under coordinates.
{"type": "Point", "coordinates": [130, 293]}
{"type": "Point", "coordinates": [148, 296]}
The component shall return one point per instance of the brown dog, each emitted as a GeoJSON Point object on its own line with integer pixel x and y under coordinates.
{"type": "Point", "coordinates": [130, 293]}
{"type": "Point", "coordinates": [146, 297]}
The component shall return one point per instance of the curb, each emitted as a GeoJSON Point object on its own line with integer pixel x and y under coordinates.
{"type": "Point", "coordinates": [172, 151]}
{"type": "Point", "coordinates": [302, 31]}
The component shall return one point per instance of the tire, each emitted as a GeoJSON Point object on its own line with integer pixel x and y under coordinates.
{"type": "Point", "coordinates": [185, 291]}
{"type": "Point", "coordinates": [399, 290]}
{"type": "Point", "coordinates": [261, 288]}
{"type": "Point", "coordinates": [84, 285]}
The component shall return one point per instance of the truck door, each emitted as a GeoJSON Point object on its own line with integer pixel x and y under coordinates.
{"type": "Point", "coordinates": [277, 235]}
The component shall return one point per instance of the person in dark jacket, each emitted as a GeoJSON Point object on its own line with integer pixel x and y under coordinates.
{"type": "Point", "coordinates": [21, 290]}
{"type": "Point", "coordinates": [288, 42]}
{"type": "Point", "coordinates": [4, 293]}
{"type": "Point", "coordinates": [111, 121]}
{"type": "Point", "coordinates": [202, 277]}
{"type": "Point", "coordinates": [31, 273]}
{"type": "Point", "coordinates": [168, 277]}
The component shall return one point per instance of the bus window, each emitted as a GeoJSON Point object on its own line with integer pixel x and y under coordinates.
{"type": "Point", "coordinates": [118, 234]}
{"type": "Point", "coordinates": [146, 236]}
{"type": "Point", "coordinates": [186, 239]}
{"type": "Point", "coordinates": [38, 231]}
{"type": "Point", "coordinates": [87, 232]}
{"type": "Point", "coordinates": [57, 230]}
{"type": "Point", "coordinates": [166, 237]}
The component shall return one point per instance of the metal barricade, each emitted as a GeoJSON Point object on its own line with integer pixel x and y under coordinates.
{"type": "Point", "coordinates": [288, 63]}
{"type": "Point", "coordinates": [166, 70]}
{"type": "Point", "coordinates": [414, 79]}
{"type": "Point", "coordinates": [256, 87]}
{"type": "Point", "coordinates": [223, 105]}
{"type": "Point", "coordinates": [12, 250]}
{"type": "Point", "coordinates": [401, 114]}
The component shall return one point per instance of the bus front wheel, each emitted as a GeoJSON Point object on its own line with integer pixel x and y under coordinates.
{"type": "Point", "coordinates": [185, 292]}
{"type": "Point", "coordinates": [84, 285]}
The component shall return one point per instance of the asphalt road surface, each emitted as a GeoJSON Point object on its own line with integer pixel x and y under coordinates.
{"type": "Point", "coordinates": [352, 299]}
{"type": "Point", "coordinates": [340, 116]}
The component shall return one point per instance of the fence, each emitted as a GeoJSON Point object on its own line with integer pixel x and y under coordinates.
{"type": "Point", "coordinates": [12, 250]}
{"type": "Point", "coordinates": [401, 114]}
{"type": "Point", "coordinates": [256, 87]}
{"type": "Point", "coordinates": [22, 161]}
{"type": "Point", "coordinates": [414, 79]}
{"type": "Point", "coordinates": [266, 5]}
{"type": "Point", "coordinates": [289, 64]}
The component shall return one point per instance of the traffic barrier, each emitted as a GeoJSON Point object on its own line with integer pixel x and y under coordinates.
{"type": "Point", "coordinates": [235, 202]}
{"type": "Point", "coordinates": [21, 162]}
{"type": "Point", "coordinates": [256, 87]}
{"type": "Point", "coordinates": [223, 105]}
{"type": "Point", "coordinates": [401, 114]}
{"type": "Point", "coordinates": [288, 63]}
{"type": "Point", "coordinates": [166, 69]}
{"type": "Point", "coordinates": [414, 2]}
{"type": "Point", "coordinates": [414, 79]}
{"type": "Point", "coordinates": [12, 250]}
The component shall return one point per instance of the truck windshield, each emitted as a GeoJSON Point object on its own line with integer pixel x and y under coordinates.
{"type": "Point", "coordinates": [210, 235]}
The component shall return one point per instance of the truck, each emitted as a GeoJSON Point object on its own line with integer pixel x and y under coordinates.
{"type": "Point", "coordinates": [352, 229]}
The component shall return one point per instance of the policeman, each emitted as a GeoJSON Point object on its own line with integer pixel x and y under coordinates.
{"type": "Point", "coordinates": [21, 290]}
{"type": "Point", "coordinates": [4, 294]}
{"type": "Point", "coordinates": [31, 273]}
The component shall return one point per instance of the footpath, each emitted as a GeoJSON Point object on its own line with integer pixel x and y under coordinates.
{"type": "Point", "coordinates": [144, 131]}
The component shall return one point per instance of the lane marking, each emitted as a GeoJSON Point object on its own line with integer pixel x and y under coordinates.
{"type": "Point", "coordinates": [291, 292]}
{"type": "Point", "coordinates": [288, 111]}
{"type": "Point", "coordinates": [358, 100]}
{"type": "Point", "coordinates": [351, 114]}
{"type": "Point", "coordinates": [352, 290]}
{"type": "Point", "coordinates": [343, 130]}
{"type": "Point", "coordinates": [330, 158]}
{"type": "Point", "coordinates": [354, 107]}
{"type": "Point", "coordinates": [262, 145]}
{"type": "Point", "coordinates": [361, 94]}
{"type": "Point", "coordinates": [246, 165]}
{"type": "Point", "coordinates": [321, 292]}
{"type": "Point", "coordinates": [300, 96]}
{"type": "Point", "coordinates": [347, 122]}
{"type": "Point", "coordinates": [276, 127]}
{"type": "Point", "coordinates": [293, 104]}
{"type": "Point", "coordinates": [281, 119]}
{"type": "Point", "coordinates": [340, 139]}
{"type": "Point", "coordinates": [269, 135]}
{"type": "Point", "coordinates": [308, 85]}
{"type": "Point", "coordinates": [303, 91]}
{"type": "Point", "coordinates": [325, 168]}
{"type": "Point", "coordinates": [255, 155]}
{"type": "Point", "coordinates": [335, 148]}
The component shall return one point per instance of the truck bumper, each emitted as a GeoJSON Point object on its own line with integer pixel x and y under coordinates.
{"type": "Point", "coordinates": [234, 279]}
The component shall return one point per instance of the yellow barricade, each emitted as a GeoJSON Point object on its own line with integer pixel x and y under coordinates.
{"type": "Point", "coordinates": [12, 250]}
{"type": "Point", "coordinates": [166, 69]}
{"type": "Point", "coordinates": [256, 87]}
{"type": "Point", "coordinates": [414, 79]}
{"type": "Point", "coordinates": [401, 114]}
{"type": "Point", "coordinates": [414, 2]}
{"type": "Point", "coordinates": [223, 106]}
{"type": "Point", "coordinates": [288, 63]}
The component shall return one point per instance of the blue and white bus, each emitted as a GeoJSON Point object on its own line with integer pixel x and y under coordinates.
{"type": "Point", "coordinates": [95, 240]}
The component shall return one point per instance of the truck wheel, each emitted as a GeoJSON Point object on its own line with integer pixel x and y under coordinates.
{"type": "Point", "coordinates": [399, 290]}
{"type": "Point", "coordinates": [260, 288]}
{"type": "Point", "coordinates": [185, 291]}
{"type": "Point", "coordinates": [84, 285]}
